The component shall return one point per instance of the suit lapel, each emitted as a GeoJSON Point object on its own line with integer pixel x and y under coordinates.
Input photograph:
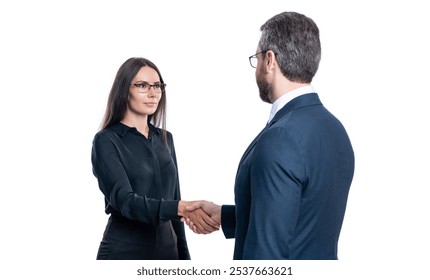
{"type": "Point", "coordinates": [252, 145]}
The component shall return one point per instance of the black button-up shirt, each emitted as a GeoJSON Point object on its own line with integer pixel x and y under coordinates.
{"type": "Point", "coordinates": [138, 177]}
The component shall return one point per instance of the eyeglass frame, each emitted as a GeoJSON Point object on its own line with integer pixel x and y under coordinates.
{"type": "Point", "coordinates": [255, 56]}
{"type": "Point", "coordinates": [139, 89]}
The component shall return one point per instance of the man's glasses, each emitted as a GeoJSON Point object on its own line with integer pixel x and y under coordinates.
{"type": "Point", "coordinates": [145, 87]}
{"type": "Point", "coordinates": [253, 60]}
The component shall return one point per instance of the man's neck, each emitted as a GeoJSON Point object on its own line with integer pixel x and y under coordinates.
{"type": "Point", "coordinates": [285, 88]}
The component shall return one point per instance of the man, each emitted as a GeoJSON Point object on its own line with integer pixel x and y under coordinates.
{"type": "Point", "coordinates": [293, 181]}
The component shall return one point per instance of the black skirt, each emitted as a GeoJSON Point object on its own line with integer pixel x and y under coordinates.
{"type": "Point", "coordinates": [125, 239]}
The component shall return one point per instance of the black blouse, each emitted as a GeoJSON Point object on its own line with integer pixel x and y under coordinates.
{"type": "Point", "coordinates": [138, 176]}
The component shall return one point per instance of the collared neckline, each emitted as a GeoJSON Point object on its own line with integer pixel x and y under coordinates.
{"type": "Point", "coordinates": [308, 99]}
{"type": "Point", "coordinates": [122, 129]}
{"type": "Point", "coordinates": [287, 97]}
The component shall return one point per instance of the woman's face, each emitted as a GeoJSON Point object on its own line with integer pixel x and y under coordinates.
{"type": "Point", "coordinates": [143, 98]}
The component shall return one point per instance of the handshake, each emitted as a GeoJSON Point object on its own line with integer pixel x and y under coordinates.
{"type": "Point", "coordinates": [201, 216]}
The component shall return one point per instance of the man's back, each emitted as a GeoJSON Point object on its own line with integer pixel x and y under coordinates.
{"type": "Point", "coordinates": [292, 185]}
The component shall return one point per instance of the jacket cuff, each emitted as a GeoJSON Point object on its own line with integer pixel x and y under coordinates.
{"type": "Point", "coordinates": [228, 220]}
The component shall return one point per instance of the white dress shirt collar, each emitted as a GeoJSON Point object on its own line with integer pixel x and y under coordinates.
{"type": "Point", "coordinates": [284, 99]}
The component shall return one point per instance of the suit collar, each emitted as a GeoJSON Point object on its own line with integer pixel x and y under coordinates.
{"type": "Point", "coordinates": [287, 97]}
{"type": "Point", "coordinates": [309, 99]}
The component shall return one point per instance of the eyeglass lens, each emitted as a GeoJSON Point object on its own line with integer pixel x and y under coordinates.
{"type": "Point", "coordinates": [145, 87]}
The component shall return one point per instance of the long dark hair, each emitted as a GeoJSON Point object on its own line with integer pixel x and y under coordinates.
{"type": "Point", "coordinates": [118, 97]}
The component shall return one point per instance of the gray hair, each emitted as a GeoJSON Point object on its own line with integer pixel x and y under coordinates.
{"type": "Point", "coordinates": [294, 38]}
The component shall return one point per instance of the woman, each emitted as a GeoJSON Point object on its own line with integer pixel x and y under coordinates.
{"type": "Point", "coordinates": [135, 165]}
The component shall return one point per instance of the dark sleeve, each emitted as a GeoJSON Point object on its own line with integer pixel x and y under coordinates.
{"type": "Point", "coordinates": [178, 226]}
{"type": "Point", "coordinates": [277, 173]}
{"type": "Point", "coordinates": [228, 220]}
{"type": "Point", "coordinates": [115, 185]}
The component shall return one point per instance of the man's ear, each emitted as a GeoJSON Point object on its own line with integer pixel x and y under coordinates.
{"type": "Point", "coordinates": [270, 61]}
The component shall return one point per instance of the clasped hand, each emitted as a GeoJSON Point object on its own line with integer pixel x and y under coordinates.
{"type": "Point", "coordinates": [201, 216]}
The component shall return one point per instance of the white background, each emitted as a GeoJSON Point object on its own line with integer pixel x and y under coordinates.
{"type": "Point", "coordinates": [58, 60]}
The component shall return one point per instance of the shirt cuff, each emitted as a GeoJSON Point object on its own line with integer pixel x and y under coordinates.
{"type": "Point", "coordinates": [169, 210]}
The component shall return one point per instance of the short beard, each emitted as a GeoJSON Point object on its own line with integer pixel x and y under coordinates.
{"type": "Point", "coordinates": [265, 90]}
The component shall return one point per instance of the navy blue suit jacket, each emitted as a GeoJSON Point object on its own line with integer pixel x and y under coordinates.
{"type": "Point", "coordinates": [292, 186]}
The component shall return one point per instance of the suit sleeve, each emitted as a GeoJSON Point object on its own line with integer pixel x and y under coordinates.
{"type": "Point", "coordinates": [114, 184]}
{"type": "Point", "coordinates": [178, 226]}
{"type": "Point", "coordinates": [277, 175]}
{"type": "Point", "coordinates": [228, 220]}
